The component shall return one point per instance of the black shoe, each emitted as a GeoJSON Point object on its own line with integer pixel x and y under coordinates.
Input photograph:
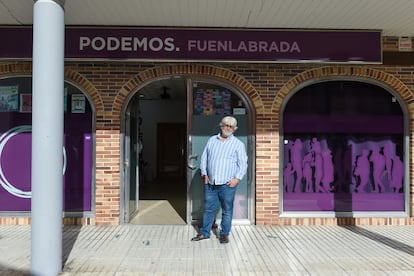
{"type": "Point", "coordinates": [224, 239]}
{"type": "Point", "coordinates": [199, 237]}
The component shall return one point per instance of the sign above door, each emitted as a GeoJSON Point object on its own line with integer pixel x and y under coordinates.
{"type": "Point", "coordinates": [222, 45]}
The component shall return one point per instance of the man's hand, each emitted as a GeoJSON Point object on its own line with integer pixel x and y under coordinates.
{"type": "Point", "coordinates": [234, 182]}
{"type": "Point", "coordinates": [206, 179]}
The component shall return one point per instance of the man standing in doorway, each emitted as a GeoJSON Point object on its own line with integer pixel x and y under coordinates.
{"type": "Point", "coordinates": [223, 164]}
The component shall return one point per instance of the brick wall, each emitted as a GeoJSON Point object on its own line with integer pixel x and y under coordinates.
{"type": "Point", "coordinates": [109, 85]}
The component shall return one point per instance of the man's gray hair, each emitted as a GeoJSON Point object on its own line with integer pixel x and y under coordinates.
{"type": "Point", "coordinates": [229, 120]}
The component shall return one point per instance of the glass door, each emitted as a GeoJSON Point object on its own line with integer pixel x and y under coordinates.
{"type": "Point", "coordinates": [209, 104]}
{"type": "Point", "coordinates": [131, 158]}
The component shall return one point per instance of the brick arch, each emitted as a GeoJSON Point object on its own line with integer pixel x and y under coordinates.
{"type": "Point", "coordinates": [188, 70]}
{"type": "Point", "coordinates": [87, 87]}
{"type": "Point", "coordinates": [331, 71]}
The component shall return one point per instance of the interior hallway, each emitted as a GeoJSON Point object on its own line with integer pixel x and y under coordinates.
{"type": "Point", "coordinates": [162, 202]}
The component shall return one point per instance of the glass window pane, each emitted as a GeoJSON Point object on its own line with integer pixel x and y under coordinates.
{"type": "Point", "coordinates": [343, 149]}
{"type": "Point", "coordinates": [15, 147]}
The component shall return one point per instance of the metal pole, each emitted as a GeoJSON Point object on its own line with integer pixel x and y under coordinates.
{"type": "Point", "coordinates": [47, 137]}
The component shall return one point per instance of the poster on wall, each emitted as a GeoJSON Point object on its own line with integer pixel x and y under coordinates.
{"type": "Point", "coordinates": [212, 102]}
{"type": "Point", "coordinates": [78, 103]}
{"type": "Point", "coordinates": [25, 103]}
{"type": "Point", "coordinates": [9, 98]}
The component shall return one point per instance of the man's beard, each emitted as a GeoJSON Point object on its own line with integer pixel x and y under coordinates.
{"type": "Point", "coordinates": [226, 133]}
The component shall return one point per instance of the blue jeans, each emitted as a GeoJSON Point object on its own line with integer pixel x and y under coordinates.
{"type": "Point", "coordinates": [215, 195]}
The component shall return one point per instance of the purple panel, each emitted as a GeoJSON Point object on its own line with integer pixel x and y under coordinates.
{"type": "Point", "coordinates": [309, 202]}
{"type": "Point", "coordinates": [78, 180]}
{"type": "Point", "coordinates": [15, 161]}
{"type": "Point", "coordinates": [310, 123]}
{"type": "Point", "coordinates": [257, 45]}
{"type": "Point", "coordinates": [19, 42]}
{"type": "Point", "coordinates": [87, 172]}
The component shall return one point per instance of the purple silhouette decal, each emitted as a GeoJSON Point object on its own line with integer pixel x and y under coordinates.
{"type": "Point", "coordinates": [308, 172]}
{"type": "Point", "coordinates": [343, 174]}
{"type": "Point", "coordinates": [318, 164]}
{"type": "Point", "coordinates": [316, 145]}
{"type": "Point", "coordinates": [296, 159]}
{"type": "Point", "coordinates": [388, 159]}
{"type": "Point", "coordinates": [378, 162]}
{"type": "Point", "coordinates": [288, 178]}
{"type": "Point", "coordinates": [362, 171]}
{"type": "Point", "coordinates": [328, 170]}
{"type": "Point", "coordinates": [397, 174]}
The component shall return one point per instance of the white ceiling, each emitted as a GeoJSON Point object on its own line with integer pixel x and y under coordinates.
{"type": "Point", "coordinates": [393, 17]}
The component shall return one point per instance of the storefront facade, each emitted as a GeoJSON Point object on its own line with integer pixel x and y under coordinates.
{"type": "Point", "coordinates": [280, 105]}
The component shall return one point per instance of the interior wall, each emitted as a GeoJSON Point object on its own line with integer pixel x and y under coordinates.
{"type": "Point", "coordinates": [152, 113]}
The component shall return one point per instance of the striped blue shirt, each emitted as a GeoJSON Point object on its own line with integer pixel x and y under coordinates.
{"type": "Point", "coordinates": [224, 160]}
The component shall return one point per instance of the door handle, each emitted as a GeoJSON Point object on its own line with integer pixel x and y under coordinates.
{"type": "Point", "coordinates": [191, 160]}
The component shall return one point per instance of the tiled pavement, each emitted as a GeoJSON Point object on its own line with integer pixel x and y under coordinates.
{"type": "Point", "coordinates": [253, 250]}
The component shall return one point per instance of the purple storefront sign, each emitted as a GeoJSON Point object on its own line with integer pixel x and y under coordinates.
{"type": "Point", "coordinates": [253, 45]}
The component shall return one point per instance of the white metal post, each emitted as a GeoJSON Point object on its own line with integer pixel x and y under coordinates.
{"type": "Point", "coordinates": [47, 137]}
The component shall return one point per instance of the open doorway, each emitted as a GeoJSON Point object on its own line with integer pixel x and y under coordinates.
{"type": "Point", "coordinates": [167, 124]}
{"type": "Point", "coordinates": [158, 140]}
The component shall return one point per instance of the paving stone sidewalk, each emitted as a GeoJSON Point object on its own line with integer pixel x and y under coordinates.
{"type": "Point", "coordinates": [253, 250]}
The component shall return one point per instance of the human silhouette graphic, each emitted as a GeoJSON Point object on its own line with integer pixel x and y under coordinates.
{"type": "Point", "coordinates": [388, 160]}
{"type": "Point", "coordinates": [318, 165]}
{"type": "Point", "coordinates": [361, 171]}
{"type": "Point", "coordinates": [288, 178]}
{"type": "Point", "coordinates": [296, 159]}
{"type": "Point", "coordinates": [378, 162]}
{"type": "Point", "coordinates": [397, 174]}
{"type": "Point", "coordinates": [307, 172]}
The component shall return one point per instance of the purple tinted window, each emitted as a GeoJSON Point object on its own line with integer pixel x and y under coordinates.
{"type": "Point", "coordinates": [343, 149]}
{"type": "Point", "coordinates": [15, 145]}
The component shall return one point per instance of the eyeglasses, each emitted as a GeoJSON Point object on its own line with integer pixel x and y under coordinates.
{"type": "Point", "coordinates": [229, 126]}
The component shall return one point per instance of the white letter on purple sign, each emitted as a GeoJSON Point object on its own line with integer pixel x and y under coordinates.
{"type": "Point", "coordinates": [169, 44]}
{"type": "Point", "coordinates": [212, 46]}
{"type": "Point", "coordinates": [98, 43]}
{"type": "Point", "coordinates": [126, 43]}
{"type": "Point", "coordinates": [273, 47]}
{"type": "Point", "coordinates": [284, 46]}
{"type": "Point", "coordinates": [191, 44]}
{"type": "Point", "coordinates": [84, 42]}
{"type": "Point", "coordinates": [155, 44]}
{"type": "Point", "coordinates": [140, 43]}
{"type": "Point", "coordinates": [263, 46]}
{"type": "Point", "coordinates": [295, 47]}
{"type": "Point", "coordinates": [113, 43]}
{"type": "Point", "coordinates": [253, 46]}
